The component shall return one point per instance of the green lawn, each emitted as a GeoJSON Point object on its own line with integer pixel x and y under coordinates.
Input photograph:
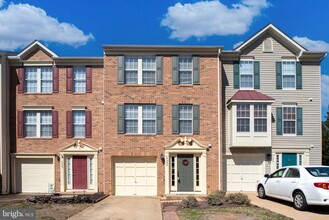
{"type": "Point", "coordinates": [246, 212]}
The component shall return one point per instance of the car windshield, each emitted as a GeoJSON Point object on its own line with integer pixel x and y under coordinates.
{"type": "Point", "coordinates": [318, 171]}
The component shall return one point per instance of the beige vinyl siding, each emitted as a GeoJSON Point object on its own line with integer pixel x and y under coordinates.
{"type": "Point", "coordinates": [311, 89]}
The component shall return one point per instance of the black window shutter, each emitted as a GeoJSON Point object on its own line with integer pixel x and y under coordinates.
{"type": "Point", "coordinates": [196, 119]}
{"type": "Point", "coordinates": [196, 70]}
{"type": "Point", "coordinates": [174, 61]}
{"type": "Point", "coordinates": [159, 70]}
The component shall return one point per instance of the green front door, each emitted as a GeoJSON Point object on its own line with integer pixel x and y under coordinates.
{"type": "Point", "coordinates": [289, 159]}
{"type": "Point", "coordinates": [185, 181]}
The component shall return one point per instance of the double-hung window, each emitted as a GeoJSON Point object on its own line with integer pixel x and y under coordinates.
{"type": "Point", "coordinates": [243, 118]}
{"type": "Point", "coordinates": [140, 119]}
{"type": "Point", "coordinates": [289, 120]}
{"type": "Point", "coordinates": [186, 119]}
{"type": "Point", "coordinates": [148, 65]}
{"type": "Point", "coordinates": [140, 70]}
{"type": "Point", "coordinates": [38, 124]}
{"type": "Point", "coordinates": [79, 79]}
{"type": "Point", "coordinates": [288, 74]}
{"type": "Point", "coordinates": [185, 70]}
{"type": "Point", "coordinates": [38, 80]}
{"type": "Point", "coordinates": [260, 118]}
{"type": "Point", "coordinates": [79, 124]}
{"type": "Point", "coordinates": [246, 74]}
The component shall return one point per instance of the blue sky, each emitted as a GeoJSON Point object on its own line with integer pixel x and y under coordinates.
{"type": "Point", "coordinates": [80, 28]}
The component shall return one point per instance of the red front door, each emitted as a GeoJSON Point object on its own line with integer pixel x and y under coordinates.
{"type": "Point", "coordinates": [79, 172]}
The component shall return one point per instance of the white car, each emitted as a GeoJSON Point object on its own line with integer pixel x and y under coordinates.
{"type": "Point", "coordinates": [302, 185]}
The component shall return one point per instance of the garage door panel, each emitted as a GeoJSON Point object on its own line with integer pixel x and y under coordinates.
{"type": "Point", "coordinates": [34, 175]}
{"type": "Point", "coordinates": [243, 171]}
{"type": "Point", "coordinates": [139, 174]}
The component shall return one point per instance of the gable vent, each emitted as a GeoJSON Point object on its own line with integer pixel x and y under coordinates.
{"type": "Point", "coordinates": [268, 45]}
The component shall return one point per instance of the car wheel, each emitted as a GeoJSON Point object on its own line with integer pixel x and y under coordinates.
{"type": "Point", "coordinates": [261, 192]}
{"type": "Point", "coordinates": [300, 201]}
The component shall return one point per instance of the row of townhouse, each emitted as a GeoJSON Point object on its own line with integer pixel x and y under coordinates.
{"type": "Point", "coordinates": [158, 120]}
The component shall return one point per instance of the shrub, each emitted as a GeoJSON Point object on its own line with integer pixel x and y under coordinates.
{"type": "Point", "coordinates": [189, 202]}
{"type": "Point", "coordinates": [216, 198]}
{"type": "Point", "coordinates": [238, 199]}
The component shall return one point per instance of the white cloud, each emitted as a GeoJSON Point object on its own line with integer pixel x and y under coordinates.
{"type": "Point", "coordinates": [207, 18]}
{"type": "Point", "coordinates": [2, 2]}
{"type": "Point", "coordinates": [20, 24]}
{"type": "Point", "coordinates": [237, 44]}
{"type": "Point", "coordinates": [325, 91]}
{"type": "Point", "coordinates": [313, 45]}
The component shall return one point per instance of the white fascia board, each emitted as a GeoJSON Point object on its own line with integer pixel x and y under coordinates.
{"type": "Point", "coordinates": [37, 43]}
{"type": "Point", "coordinates": [270, 26]}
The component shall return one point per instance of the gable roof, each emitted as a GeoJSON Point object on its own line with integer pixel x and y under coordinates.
{"type": "Point", "coordinates": [249, 95]}
{"type": "Point", "coordinates": [276, 32]}
{"type": "Point", "coordinates": [31, 47]}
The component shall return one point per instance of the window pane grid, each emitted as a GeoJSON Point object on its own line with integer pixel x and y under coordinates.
{"type": "Point", "coordinates": [46, 79]}
{"type": "Point", "coordinates": [46, 124]}
{"type": "Point", "coordinates": [30, 123]}
{"type": "Point", "coordinates": [131, 119]}
{"type": "Point", "coordinates": [185, 70]}
{"type": "Point", "coordinates": [149, 118]}
{"type": "Point", "coordinates": [288, 74]}
{"type": "Point", "coordinates": [243, 118]}
{"type": "Point", "coordinates": [79, 122]}
{"type": "Point", "coordinates": [246, 73]}
{"type": "Point", "coordinates": [131, 70]}
{"type": "Point", "coordinates": [31, 82]}
{"type": "Point", "coordinates": [197, 171]}
{"type": "Point", "coordinates": [260, 118]}
{"type": "Point", "coordinates": [185, 119]}
{"type": "Point", "coordinates": [289, 120]}
{"type": "Point", "coordinates": [148, 77]}
{"type": "Point", "coordinates": [173, 171]}
{"type": "Point", "coordinates": [79, 79]}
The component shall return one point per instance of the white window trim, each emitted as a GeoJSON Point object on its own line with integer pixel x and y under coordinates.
{"type": "Point", "coordinates": [140, 120]}
{"type": "Point", "coordinates": [140, 70]}
{"type": "Point", "coordinates": [247, 88]}
{"type": "Point", "coordinates": [291, 135]}
{"type": "Point", "coordinates": [38, 79]}
{"type": "Point", "coordinates": [179, 69]}
{"type": "Point", "coordinates": [288, 60]}
{"type": "Point", "coordinates": [38, 123]}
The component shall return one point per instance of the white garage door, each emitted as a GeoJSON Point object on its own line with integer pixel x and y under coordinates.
{"type": "Point", "coordinates": [243, 171]}
{"type": "Point", "coordinates": [135, 176]}
{"type": "Point", "coordinates": [34, 175]}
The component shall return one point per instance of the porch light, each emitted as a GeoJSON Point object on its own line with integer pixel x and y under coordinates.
{"type": "Point", "coordinates": [162, 157]}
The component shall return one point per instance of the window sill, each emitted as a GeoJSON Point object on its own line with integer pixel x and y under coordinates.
{"type": "Point", "coordinates": [139, 134]}
{"type": "Point", "coordinates": [186, 85]}
{"type": "Point", "coordinates": [38, 138]}
{"type": "Point", "coordinates": [38, 93]}
{"type": "Point", "coordinates": [140, 85]}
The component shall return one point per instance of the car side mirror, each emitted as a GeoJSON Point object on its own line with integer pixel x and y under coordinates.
{"type": "Point", "coordinates": [267, 175]}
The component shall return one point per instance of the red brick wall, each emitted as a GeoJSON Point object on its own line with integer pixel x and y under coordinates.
{"type": "Point", "coordinates": [167, 94]}
{"type": "Point", "coordinates": [60, 102]}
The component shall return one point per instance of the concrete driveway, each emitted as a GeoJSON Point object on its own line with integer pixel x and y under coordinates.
{"type": "Point", "coordinates": [123, 208]}
{"type": "Point", "coordinates": [285, 208]}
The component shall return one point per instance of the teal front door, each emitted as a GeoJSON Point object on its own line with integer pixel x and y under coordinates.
{"type": "Point", "coordinates": [289, 159]}
{"type": "Point", "coordinates": [185, 181]}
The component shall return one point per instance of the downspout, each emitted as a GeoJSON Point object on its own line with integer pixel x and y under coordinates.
{"type": "Point", "coordinates": [103, 103]}
{"type": "Point", "coordinates": [219, 67]}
